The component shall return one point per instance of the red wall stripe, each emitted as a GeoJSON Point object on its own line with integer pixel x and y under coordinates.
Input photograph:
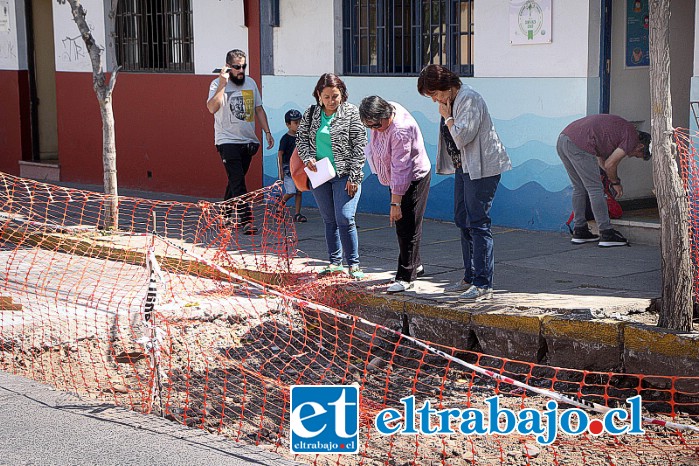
{"type": "Point", "coordinates": [162, 127]}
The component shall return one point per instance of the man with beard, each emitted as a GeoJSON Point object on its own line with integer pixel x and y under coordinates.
{"type": "Point", "coordinates": [235, 101]}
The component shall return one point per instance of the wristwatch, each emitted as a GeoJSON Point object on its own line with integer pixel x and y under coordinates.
{"type": "Point", "coordinates": [395, 204]}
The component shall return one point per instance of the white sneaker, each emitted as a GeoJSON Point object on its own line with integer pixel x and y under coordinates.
{"type": "Point", "coordinates": [459, 287]}
{"type": "Point", "coordinates": [400, 286]}
{"type": "Point", "coordinates": [477, 293]}
{"type": "Point", "coordinates": [419, 272]}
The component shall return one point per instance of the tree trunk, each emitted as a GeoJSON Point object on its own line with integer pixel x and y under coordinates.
{"type": "Point", "coordinates": [676, 265]}
{"type": "Point", "coordinates": [109, 164]}
{"type": "Point", "coordinates": [103, 90]}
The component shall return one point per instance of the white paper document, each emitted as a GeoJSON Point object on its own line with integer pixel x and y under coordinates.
{"type": "Point", "coordinates": [325, 172]}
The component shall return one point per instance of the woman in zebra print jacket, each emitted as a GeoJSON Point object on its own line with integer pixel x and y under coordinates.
{"type": "Point", "coordinates": [332, 129]}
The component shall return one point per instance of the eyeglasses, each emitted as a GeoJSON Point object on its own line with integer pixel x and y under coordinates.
{"type": "Point", "coordinates": [237, 67]}
{"type": "Point", "coordinates": [373, 125]}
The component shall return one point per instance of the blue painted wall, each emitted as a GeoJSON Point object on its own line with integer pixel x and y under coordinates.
{"type": "Point", "coordinates": [528, 113]}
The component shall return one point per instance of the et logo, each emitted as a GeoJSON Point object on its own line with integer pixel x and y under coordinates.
{"type": "Point", "coordinates": [324, 419]}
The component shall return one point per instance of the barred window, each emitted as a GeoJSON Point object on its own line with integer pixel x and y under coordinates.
{"type": "Point", "coordinates": [391, 37]}
{"type": "Point", "coordinates": [155, 36]}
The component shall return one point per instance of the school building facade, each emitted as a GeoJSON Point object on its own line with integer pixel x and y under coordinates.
{"type": "Point", "coordinates": [539, 64]}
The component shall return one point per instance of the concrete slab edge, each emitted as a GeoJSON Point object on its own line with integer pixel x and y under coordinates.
{"type": "Point", "coordinates": [548, 338]}
{"type": "Point", "coordinates": [542, 337]}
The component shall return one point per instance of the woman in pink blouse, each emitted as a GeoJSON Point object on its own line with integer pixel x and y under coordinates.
{"type": "Point", "coordinates": [397, 155]}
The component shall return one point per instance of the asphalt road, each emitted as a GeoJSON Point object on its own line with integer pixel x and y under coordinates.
{"type": "Point", "coordinates": [42, 426]}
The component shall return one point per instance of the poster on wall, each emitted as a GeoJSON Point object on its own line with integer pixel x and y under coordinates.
{"type": "Point", "coordinates": [4, 16]}
{"type": "Point", "coordinates": [637, 33]}
{"type": "Point", "coordinates": [530, 22]}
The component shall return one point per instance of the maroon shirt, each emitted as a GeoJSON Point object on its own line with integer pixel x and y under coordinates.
{"type": "Point", "coordinates": [602, 134]}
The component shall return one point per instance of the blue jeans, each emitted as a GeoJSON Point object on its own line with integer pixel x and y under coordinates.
{"type": "Point", "coordinates": [337, 210]}
{"type": "Point", "coordinates": [472, 202]}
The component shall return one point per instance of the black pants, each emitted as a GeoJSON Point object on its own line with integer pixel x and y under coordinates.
{"type": "Point", "coordinates": [409, 228]}
{"type": "Point", "coordinates": [236, 159]}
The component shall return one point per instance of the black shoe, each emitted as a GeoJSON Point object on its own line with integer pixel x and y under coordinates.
{"type": "Point", "coordinates": [610, 238]}
{"type": "Point", "coordinates": [249, 229]}
{"type": "Point", "coordinates": [583, 235]}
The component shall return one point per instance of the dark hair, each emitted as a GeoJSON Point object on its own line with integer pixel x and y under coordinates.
{"type": "Point", "coordinates": [437, 78]}
{"type": "Point", "coordinates": [644, 138]}
{"type": "Point", "coordinates": [330, 80]}
{"type": "Point", "coordinates": [374, 108]}
{"type": "Point", "coordinates": [235, 53]}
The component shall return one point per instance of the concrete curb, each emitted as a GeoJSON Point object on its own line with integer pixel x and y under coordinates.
{"type": "Point", "coordinates": [667, 352]}
{"type": "Point", "coordinates": [103, 250]}
{"type": "Point", "coordinates": [597, 344]}
{"type": "Point", "coordinates": [539, 335]}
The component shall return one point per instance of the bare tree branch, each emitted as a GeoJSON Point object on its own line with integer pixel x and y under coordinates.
{"type": "Point", "coordinates": [93, 50]}
{"type": "Point", "coordinates": [112, 81]}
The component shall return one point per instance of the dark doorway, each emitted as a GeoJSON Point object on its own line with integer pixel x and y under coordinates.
{"type": "Point", "coordinates": [605, 62]}
{"type": "Point", "coordinates": [42, 80]}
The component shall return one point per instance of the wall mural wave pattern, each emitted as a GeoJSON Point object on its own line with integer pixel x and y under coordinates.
{"type": "Point", "coordinates": [535, 194]}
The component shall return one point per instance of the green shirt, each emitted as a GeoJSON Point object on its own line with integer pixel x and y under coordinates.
{"type": "Point", "coordinates": [323, 146]}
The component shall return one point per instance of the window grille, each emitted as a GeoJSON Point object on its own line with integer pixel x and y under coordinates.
{"type": "Point", "coordinates": [399, 37]}
{"type": "Point", "coordinates": [155, 36]}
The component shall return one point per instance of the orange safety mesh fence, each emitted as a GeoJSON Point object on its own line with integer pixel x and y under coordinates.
{"type": "Point", "coordinates": [687, 142]}
{"type": "Point", "coordinates": [182, 315]}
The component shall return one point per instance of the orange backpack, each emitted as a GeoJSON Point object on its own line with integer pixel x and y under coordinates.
{"type": "Point", "coordinates": [296, 165]}
{"type": "Point", "coordinates": [298, 174]}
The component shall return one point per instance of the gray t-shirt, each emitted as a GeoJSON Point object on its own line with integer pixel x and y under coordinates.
{"type": "Point", "coordinates": [234, 122]}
